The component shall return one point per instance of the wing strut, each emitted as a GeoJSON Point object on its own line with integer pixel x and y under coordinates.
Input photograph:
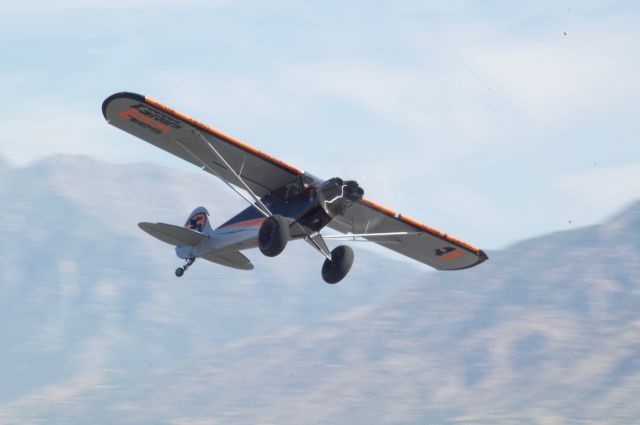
{"type": "Point", "coordinates": [366, 235]}
{"type": "Point", "coordinates": [263, 208]}
{"type": "Point", "coordinates": [205, 166]}
{"type": "Point", "coordinates": [256, 203]}
{"type": "Point", "coordinates": [315, 240]}
{"type": "Point", "coordinates": [360, 237]}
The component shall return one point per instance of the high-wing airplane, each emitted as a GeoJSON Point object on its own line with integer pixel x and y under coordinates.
{"type": "Point", "coordinates": [286, 203]}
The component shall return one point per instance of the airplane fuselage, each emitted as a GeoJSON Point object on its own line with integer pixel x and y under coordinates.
{"type": "Point", "coordinates": [306, 203]}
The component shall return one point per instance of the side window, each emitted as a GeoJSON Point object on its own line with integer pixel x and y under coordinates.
{"type": "Point", "coordinates": [292, 191]}
{"type": "Point", "coordinates": [295, 189]}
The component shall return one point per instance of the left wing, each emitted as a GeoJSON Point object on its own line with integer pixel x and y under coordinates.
{"type": "Point", "coordinates": [177, 134]}
{"type": "Point", "coordinates": [412, 238]}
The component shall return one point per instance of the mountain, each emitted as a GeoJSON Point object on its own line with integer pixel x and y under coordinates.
{"type": "Point", "coordinates": [98, 330]}
{"type": "Point", "coordinates": [83, 288]}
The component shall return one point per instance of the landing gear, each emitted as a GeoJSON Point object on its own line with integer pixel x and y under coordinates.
{"type": "Point", "coordinates": [273, 235]}
{"type": "Point", "coordinates": [180, 270]}
{"type": "Point", "coordinates": [334, 270]}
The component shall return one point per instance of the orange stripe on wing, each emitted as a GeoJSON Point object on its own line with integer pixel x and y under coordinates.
{"type": "Point", "coordinates": [132, 112]}
{"type": "Point", "coordinates": [419, 225]}
{"type": "Point", "coordinates": [437, 232]}
{"type": "Point", "coordinates": [452, 255]}
{"type": "Point", "coordinates": [246, 223]}
{"type": "Point", "coordinates": [224, 136]}
{"type": "Point", "coordinates": [378, 207]}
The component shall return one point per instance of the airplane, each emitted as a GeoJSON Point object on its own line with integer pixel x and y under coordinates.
{"type": "Point", "coordinates": [285, 202]}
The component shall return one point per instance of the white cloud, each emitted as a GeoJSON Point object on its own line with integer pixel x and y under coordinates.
{"type": "Point", "coordinates": [466, 82]}
{"type": "Point", "coordinates": [32, 407]}
{"type": "Point", "coordinates": [589, 73]}
{"type": "Point", "coordinates": [40, 5]}
{"type": "Point", "coordinates": [425, 102]}
{"type": "Point", "coordinates": [41, 129]}
{"type": "Point", "coordinates": [403, 98]}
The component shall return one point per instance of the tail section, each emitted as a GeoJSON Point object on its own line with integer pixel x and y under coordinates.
{"type": "Point", "coordinates": [199, 221]}
{"type": "Point", "coordinates": [173, 235]}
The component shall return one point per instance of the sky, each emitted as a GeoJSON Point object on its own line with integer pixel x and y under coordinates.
{"type": "Point", "coordinates": [494, 121]}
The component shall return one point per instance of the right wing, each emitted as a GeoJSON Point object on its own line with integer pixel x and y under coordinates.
{"type": "Point", "coordinates": [233, 259]}
{"type": "Point", "coordinates": [174, 132]}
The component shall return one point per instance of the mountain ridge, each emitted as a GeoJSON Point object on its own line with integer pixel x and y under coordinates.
{"type": "Point", "coordinates": [544, 332]}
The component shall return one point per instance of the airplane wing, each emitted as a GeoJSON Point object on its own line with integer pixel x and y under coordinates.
{"type": "Point", "coordinates": [180, 135]}
{"type": "Point", "coordinates": [412, 238]}
{"type": "Point", "coordinates": [233, 259]}
{"type": "Point", "coordinates": [176, 133]}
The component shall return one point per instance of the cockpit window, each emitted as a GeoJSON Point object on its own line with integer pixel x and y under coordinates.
{"type": "Point", "coordinates": [298, 188]}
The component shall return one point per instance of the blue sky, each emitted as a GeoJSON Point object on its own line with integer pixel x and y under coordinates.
{"type": "Point", "coordinates": [483, 119]}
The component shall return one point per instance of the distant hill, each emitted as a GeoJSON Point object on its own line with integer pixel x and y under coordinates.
{"type": "Point", "coordinates": [98, 330]}
{"type": "Point", "coordinates": [83, 289]}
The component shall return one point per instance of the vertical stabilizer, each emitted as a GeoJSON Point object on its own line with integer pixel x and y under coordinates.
{"type": "Point", "coordinates": [199, 221]}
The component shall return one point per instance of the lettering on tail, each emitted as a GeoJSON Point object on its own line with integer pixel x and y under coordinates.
{"type": "Point", "coordinates": [197, 222]}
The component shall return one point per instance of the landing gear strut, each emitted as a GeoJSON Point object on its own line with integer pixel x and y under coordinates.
{"type": "Point", "coordinates": [334, 270]}
{"type": "Point", "coordinates": [180, 270]}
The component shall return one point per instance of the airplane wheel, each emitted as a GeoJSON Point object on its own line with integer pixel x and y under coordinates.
{"type": "Point", "coordinates": [341, 260]}
{"type": "Point", "coordinates": [273, 235]}
{"type": "Point", "coordinates": [179, 271]}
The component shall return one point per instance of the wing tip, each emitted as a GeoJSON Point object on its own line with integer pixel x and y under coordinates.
{"type": "Point", "coordinates": [119, 95]}
{"type": "Point", "coordinates": [146, 227]}
{"type": "Point", "coordinates": [482, 257]}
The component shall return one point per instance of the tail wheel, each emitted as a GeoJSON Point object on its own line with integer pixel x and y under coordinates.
{"type": "Point", "coordinates": [273, 235]}
{"type": "Point", "coordinates": [334, 270]}
{"type": "Point", "coordinates": [180, 270]}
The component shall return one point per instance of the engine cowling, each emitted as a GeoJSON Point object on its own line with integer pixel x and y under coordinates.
{"type": "Point", "coordinates": [336, 195]}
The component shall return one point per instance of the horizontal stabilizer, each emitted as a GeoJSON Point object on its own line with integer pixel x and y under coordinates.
{"type": "Point", "coordinates": [173, 235]}
{"type": "Point", "coordinates": [233, 259]}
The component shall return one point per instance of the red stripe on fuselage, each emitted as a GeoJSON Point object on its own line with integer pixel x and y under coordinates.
{"type": "Point", "coordinates": [245, 223]}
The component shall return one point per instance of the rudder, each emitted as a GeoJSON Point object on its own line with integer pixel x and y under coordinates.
{"type": "Point", "coordinates": [199, 221]}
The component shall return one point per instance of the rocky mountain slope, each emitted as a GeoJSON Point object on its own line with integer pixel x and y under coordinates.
{"type": "Point", "coordinates": [96, 328]}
